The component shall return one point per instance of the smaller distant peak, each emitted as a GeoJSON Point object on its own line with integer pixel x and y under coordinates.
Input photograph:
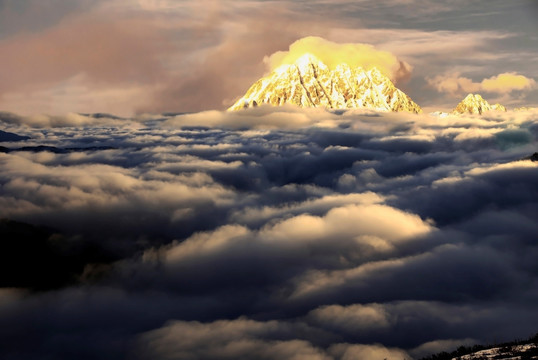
{"type": "Point", "coordinates": [476, 104]}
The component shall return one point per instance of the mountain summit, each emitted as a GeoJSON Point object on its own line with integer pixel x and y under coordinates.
{"type": "Point", "coordinates": [475, 104]}
{"type": "Point", "coordinates": [310, 83]}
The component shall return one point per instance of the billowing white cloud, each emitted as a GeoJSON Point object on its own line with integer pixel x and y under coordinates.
{"type": "Point", "coordinates": [504, 83]}
{"type": "Point", "coordinates": [507, 82]}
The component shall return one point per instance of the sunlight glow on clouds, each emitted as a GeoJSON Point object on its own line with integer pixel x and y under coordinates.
{"type": "Point", "coordinates": [507, 82]}
{"type": "Point", "coordinates": [504, 83]}
{"type": "Point", "coordinates": [332, 54]}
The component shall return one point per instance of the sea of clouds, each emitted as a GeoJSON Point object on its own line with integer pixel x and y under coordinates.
{"type": "Point", "coordinates": [269, 233]}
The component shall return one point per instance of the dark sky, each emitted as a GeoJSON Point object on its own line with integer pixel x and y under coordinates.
{"type": "Point", "coordinates": [127, 56]}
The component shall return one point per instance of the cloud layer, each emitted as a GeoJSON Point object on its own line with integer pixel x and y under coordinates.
{"type": "Point", "coordinates": [268, 233]}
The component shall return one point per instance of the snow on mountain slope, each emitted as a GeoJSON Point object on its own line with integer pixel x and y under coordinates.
{"type": "Point", "coordinates": [310, 83]}
{"type": "Point", "coordinates": [475, 104]}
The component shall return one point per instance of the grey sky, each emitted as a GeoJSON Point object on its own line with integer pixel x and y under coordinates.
{"type": "Point", "coordinates": [197, 55]}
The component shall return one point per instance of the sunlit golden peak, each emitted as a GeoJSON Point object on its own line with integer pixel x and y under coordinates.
{"type": "Point", "coordinates": [309, 82]}
{"type": "Point", "coordinates": [476, 104]}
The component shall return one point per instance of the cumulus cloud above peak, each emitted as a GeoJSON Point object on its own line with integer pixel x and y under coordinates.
{"type": "Point", "coordinates": [333, 54]}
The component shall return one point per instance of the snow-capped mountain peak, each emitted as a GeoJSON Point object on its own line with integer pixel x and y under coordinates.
{"type": "Point", "coordinates": [310, 83]}
{"type": "Point", "coordinates": [476, 104]}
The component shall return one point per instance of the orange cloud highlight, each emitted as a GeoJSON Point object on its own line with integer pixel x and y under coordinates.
{"type": "Point", "coordinates": [502, 84]}
{"type": "Point", "coordinates": [332, 54]}
{"type": "Point", "coordinates": [507, 82]}
{"type": "Point", "coordinates": [453, 84]}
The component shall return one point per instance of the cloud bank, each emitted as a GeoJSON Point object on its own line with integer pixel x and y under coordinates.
{"type": "Point", "coordinates": [504, 83]}
{"type": "Point", "coordinates": [267, 233]}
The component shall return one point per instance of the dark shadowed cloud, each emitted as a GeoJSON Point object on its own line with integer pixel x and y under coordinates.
{"type": "Point", "coordinates": [267, 233]}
